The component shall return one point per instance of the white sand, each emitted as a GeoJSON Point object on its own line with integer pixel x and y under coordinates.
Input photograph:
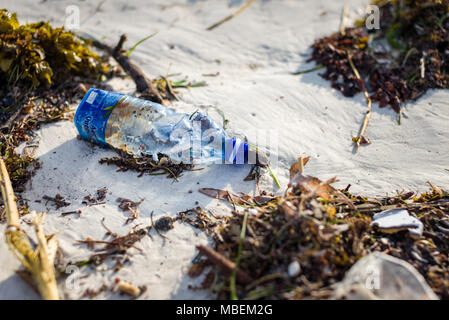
{"type": "Point", "coordinates": [257, 50]}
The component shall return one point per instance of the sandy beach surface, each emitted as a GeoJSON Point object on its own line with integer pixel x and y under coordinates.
{"type": "Point", "coordinates": [254, 54]}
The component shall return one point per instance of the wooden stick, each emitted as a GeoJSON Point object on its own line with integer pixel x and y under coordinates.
{"type": "Point", "coordinates": [224, 264]}
{"type": "Point", "coordinates": [368, 100]}
{"type": "Point", "coordinates": [39, 262]}
{"type": "Point", "coordinates": [373, 209]}
{"type": "Point", "coordinates": [143, 84]}
{"type": "Point", "coordinates": [45, 275]}
{"type": "Point", "coordinates": [239, 10]}
{"type": "Point", "coordinates": [9, 199]}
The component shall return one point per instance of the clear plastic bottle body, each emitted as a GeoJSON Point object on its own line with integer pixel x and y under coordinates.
{"type": "Point", "coordinates": [139, 127]}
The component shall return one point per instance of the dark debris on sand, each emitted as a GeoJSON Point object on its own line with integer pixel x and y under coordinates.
{"type": "Point", "coordinates": [148, 166]}
{"type": "Point", "coordinates": [407, 56]}
{"type": "Point", "coordinates": [43, 70]}
{"type": "Point", "coordinates": [323, 229]}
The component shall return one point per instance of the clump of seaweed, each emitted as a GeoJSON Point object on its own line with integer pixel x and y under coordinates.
{"type": "Point", "coordinates": [20, 116]}
{"type": "Point", "coordinates": [146, 165]}
{"type": "Point", "coordinates": [117, 247]}
{"type": "Point", "coordinates": [299, 245]}
{"type": "Point", "coordinates": [43, 69]}
{"type": "Point", "coordinates": [58, 201]}
{"type": "Point", "coordinates": [42, 54]}
{"type": "Point", "coordinates": [18, 166]}
{"type": "Point", "coordinates": [399, 62]}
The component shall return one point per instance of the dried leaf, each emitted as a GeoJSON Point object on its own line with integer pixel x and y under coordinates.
{"type": "Point", "coordinates": [312, 185]}
{"type": "Point", "coordinates": [296, 167]}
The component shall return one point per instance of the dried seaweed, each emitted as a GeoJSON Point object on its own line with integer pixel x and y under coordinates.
{"type": "Point", "coordinates": [57, 200]}
{"type": "Point", "coordinates": [326, 231]}
{"type": "Point", "coordinates": [118, 246]}
{"type": "Point", "coordinates": [200, 219]}
{"type": "Point", "coordinates": [399, 62]}
{"type": "Point", "coordinates": [41, 54]}
{"type": "Point", "coordinates": [44, 70]}
{"type": "Point", "coordinates": [130, 206]}
{"type": "Point", "coordinates": [146, 165]}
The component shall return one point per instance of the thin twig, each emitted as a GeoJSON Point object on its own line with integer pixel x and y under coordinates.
{"type": "Point", "coordinates": [224, 264]}
{"type": "Point", "coordinates": [63, 214]}
{"type": "Point", "coordinates": [231, 201]}
{"type": "Point", "coordinates": [97, 9]}
{"type": "Point", "coordinates": [376, 208]}
{"type": "Point", "coordinates": [318, 67]}
{"type": "Point", "coordinates": [169, 89]}
{"type": "Point", "coordinates": [239, 10]}
{"type": "Point", "coordinates": [368, 100]}
{"type": "Point", "coordinates": [265, 278]}
{"type": "Point", "coordinates": [343, 19]}
{"type": "Point", "coordinates": [301, 165]}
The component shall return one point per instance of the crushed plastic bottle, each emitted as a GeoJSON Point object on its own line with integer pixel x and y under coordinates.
{"type": "Point", "coordinates": [144, 128]}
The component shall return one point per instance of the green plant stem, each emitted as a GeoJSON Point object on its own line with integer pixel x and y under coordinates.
{"type": "Point", "coordinates": [319, 67]}
{"type": "Point", "coordinates": [274, 177]}
{"type": "Point", "coordinates": [239, 255]}
{"type": "Point", "coordinates": [139, 42]}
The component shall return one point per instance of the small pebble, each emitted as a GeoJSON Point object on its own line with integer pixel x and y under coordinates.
{"type": "Point", "coordinates": [294, 269]}
{"type": "Point", "coordinates": [164, 223]}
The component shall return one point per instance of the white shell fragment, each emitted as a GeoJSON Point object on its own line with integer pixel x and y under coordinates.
{"type": "Point", "coordinates": [381, 276]}
{"type": "Point", "coordinates": [294, 269]}
{"type": "Point", "coordinates": [252, 211]}
{"type": "Point", "coordinates": [391, 221]}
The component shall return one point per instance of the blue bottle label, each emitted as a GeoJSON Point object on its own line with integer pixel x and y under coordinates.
{"type": "Point", "coordinates": [93, 113]}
